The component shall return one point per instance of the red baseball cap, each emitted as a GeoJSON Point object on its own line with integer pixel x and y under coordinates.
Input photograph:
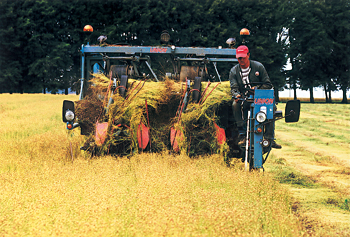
{"type": "Point", "coordinates": [242, 51]}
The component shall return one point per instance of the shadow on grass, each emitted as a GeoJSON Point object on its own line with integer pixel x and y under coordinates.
{"type": "Point", "coordinates": [288, 175]}
{"type": "Point", "coordinates": [295, 178]}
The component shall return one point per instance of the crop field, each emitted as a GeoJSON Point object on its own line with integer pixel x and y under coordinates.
{"type": "Point", "coordinates": [51, 188]}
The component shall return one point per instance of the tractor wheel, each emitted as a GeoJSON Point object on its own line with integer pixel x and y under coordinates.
{"type": "Point", "coordinates": [188, 72]}
{"type": "Point", "coordinates": [197, 85]}
{"type": "Point", "coordinates": [123, 84]}
{"type": "Point", "coordinates": [119, 70]}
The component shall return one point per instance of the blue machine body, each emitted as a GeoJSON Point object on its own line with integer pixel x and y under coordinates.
{"type": "Point", "coordinates": [264, 101]}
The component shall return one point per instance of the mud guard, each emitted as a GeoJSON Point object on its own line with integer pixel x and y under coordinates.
{"type": "Point", "coordinates": [142, 136]}
{"type": "Point", "coordinates": [101, 133]}
{"type": "Point", "coordinates": [175, 137]}
{"type": "Point", "coordinates": [220, 134]}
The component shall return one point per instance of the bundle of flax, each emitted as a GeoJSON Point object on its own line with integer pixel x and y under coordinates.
{"type": "Point", "coordinates": [124, 116]}
{"type": "Point", "coordinates": [156, 115]}
{"type": "Point", "coordinates": [198, 121]}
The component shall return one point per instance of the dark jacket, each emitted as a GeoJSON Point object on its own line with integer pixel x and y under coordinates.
{"type": "Point", "coordinates": [257, 74]}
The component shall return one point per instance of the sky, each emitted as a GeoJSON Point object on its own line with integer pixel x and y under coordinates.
{"type": "Point", "coordinates": [318, 93]}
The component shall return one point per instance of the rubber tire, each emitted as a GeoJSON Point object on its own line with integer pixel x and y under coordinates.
{"type": "Point", "coordinates": [123, 84]}
{"type": "Point", "coordinates": [197, 85]}
{"type": "Point", "coordinates": [118, 70]}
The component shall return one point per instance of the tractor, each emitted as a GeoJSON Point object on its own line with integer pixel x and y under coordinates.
{"type": "Point", "coordinates": [192, 67]}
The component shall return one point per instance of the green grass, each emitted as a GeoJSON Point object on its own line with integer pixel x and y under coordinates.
{"type": "Point", "coordinates": [288, 175]}
{"type": "Point", "coordinates": [314, 164]}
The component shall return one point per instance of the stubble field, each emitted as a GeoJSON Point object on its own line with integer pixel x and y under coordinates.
{"type": "Point", "coordinates": [315, 165]}
{"type": "Point", "coordinates": [50, 188]}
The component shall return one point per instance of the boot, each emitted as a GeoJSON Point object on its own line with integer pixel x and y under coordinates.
{"type": "Point", "coordinates": [275, 145]}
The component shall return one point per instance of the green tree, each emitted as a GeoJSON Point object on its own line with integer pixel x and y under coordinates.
{"type": "Point", "coordinates": [338, 29]}
{"type": "Point", "coordinates": [10, 47]}
{"type": "Point", "coordinates": [309, 40]}
{"type": "Point", "coordinates": [319, 45]}
{"type": "Point", "coordinates": [46, 44]}
{"type": "Point", "coordinates": [40, 40]}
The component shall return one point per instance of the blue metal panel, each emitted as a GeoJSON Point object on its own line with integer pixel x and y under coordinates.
{"type": "Point", "coordinates": [160, 50]}
{"type": "Point", "coordinates": [264, 98]}
{"type": "Point", "coordinates": [258, 149]}
{"type": "Point", "coordinates": [96, 68]}
{"type": "Point", "coordinates": [263, 101]}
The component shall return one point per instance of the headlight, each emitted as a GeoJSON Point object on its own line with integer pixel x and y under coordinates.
{"type": "Point", "coordinates": [260, 117]}
{"type": "Point", "coordinates": [69, 115]}
{"type": "Point", "coordinates": [265, 143]}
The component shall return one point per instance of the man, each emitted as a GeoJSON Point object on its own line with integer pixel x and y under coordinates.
{"type": "Point", "coordinates": [244, 77]}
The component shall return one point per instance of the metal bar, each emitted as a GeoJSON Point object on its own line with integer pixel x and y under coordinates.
{"type": "Point", "coordinates": [181, 101]}
{"type": "Point", "coordinates": [160, 50]}
{"type": "Point", "coordinates": [138, 90]}
{"type": "Point", "coordinates": [88, 68]}
{"type": "Point", "coordinates": [210, 92]}
{"type": "Point", "coordinates": [247, 144]}
{"type": "Point", "coordinates": [132, 91]}
{"type": "Point", "coordinates": [223, 60]}
{"type": "Point", "coordinates": [82, 77]}
{"type": "Point", "coordinates": [109, 88]}
{"type": "Point", "coordinates": [217, 72]}
{"type": "Point", "coordinates": [149, 128]}
{"type": "Point", "coordinates": [208, 59]}
{"type": "Point", "coordinates": [132, 58]}
{"type": "Point", "coordinates": [176, 59]}
{"type": "Point", "coordinates": [186, 98]}
{"type": "Point", "coordinates": [205, 90]}
{"type": "Point", "coordinates": [135, 68]}
{"type": "Point", "coordinates": [149, 67]}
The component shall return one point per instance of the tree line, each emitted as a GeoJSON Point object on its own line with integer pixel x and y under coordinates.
{"type": "Point", "coordinates": [40, 39]}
